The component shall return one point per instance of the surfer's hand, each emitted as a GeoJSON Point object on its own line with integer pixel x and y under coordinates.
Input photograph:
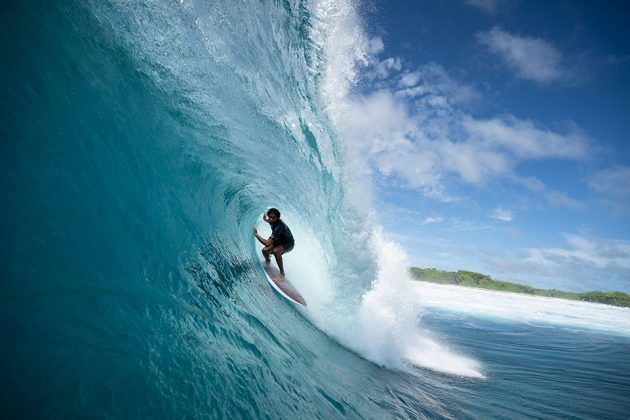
{"type": "Point", "coordinates": [255, 231]}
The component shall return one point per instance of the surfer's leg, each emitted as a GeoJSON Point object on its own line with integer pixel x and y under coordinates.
{"type": "Point", "coordinates": [266, 251]}
{"type": "Point", "coordinates": [277, 252]}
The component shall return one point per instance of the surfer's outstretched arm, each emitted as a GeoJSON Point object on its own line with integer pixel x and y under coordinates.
{"type": "Point", "coordinates": [265, 242]}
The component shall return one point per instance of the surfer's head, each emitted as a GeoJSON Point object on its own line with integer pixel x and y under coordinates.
{"type": "Point", "coordinates": [274, 211]}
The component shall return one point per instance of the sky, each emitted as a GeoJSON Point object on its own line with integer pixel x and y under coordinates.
{"type": "Point", "coordinates": [498, 137]}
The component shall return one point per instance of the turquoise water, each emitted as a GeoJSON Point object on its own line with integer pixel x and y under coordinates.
{"type": "Point", "coordinates": [537, 370]}
{"type": "Point", "coordinates": [141, 142]}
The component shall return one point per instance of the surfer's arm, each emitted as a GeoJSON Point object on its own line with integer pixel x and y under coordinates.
{"type": "Point", "coordinates": [265, 242]}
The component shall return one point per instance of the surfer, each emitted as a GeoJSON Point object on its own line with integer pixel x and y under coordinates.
{"type": "Point", "coordinates": [280, 242]}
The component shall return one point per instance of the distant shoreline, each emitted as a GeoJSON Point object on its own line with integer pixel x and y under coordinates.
{"type": "Point", "coordinates": [482, 281]}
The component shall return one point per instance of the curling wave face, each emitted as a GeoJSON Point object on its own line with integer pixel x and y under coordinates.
{"type": "Point", "coordinates": [146, 138]}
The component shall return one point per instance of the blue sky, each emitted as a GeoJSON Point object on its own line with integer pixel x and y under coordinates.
{"type": "Point", "coordinates": [497, 135]}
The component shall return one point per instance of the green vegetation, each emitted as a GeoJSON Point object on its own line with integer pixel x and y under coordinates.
{"type": "Point", "coordinates": [472, 279]}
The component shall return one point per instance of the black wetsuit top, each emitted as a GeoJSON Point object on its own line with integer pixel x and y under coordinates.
{"type": "Point", "coordinates": [281, 235]}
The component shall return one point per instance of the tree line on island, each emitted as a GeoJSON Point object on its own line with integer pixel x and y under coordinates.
{"type": "Point", "coordinates": [472, 279]}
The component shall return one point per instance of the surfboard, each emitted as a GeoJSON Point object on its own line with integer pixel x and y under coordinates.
{"type": "Point", "coordinates": [284, 288]}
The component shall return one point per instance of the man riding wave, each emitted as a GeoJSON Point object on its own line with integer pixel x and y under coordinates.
{"type": "Point", "coordinates": [280, 242]}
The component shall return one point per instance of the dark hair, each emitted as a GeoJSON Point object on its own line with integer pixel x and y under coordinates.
{"type": "Point", "coordinates": [273, 211]}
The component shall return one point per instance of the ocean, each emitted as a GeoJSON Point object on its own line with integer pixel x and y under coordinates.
{"type": "Point", "coordinates": [142, 141]}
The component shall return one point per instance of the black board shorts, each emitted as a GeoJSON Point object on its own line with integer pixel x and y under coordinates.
{"type": "Point", "coordinates": [288, 247]}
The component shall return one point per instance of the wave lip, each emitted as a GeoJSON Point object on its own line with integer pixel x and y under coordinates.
{"type": "Point", "coordinates": [379, 321]}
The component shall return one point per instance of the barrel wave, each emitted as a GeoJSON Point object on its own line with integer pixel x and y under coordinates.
{"type": "Point", "coordinates": [145, 141]}
{"type": "Point", "coordinates": [141, 143]}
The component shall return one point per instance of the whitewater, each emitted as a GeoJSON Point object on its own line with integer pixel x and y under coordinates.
{"type": "Point", "coordinates": [141, 143]}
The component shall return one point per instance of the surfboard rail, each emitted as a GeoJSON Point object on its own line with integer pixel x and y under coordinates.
{"type": "Point", "coordinates": [284, 287]}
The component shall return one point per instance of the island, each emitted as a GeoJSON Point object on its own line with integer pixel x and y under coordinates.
{"type": "Point", "coordinates": [482, 281]}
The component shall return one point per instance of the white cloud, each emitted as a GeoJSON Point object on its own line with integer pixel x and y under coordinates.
{"type": "Point", "coordinates": [472, 163]}
{"type": "Point", "coordinates": [612, 182]}
{"type": "Point", "coordinates": [522, 139]}
{"type": "Point", "coordinates": [425, 149]}
{"type": "Point", "coordinates": [433, 80]}
{"type": "Point", "coordinates": [487, 6]}
{"type": "Point", "coordinates": [385, 67]}
{"type": "Point", "coordinates": [532, 58]}
{"type": "Point", "coordinates": [381, 127]}
{"type": "Point", "coordinates": [613, 185]}
{"type": "Point", "coordinates": [554, 197]}
{"type": "Point", "coordinates": [584, 263]}
{"type": "Point", "coordinates": [414, 132]}
{"type": "Point", "coordinates": [432, 219]}
{"type": "Point", "coordinates": [502, 215]}
{"type": "Point", "coordinates": [375, 46]}
{"type": "Point", "coordinates": [584, 252]}
{"type": "Point", "coordinates": [458, 225]}
{"type": "Point", "coordinates": [409, 79]}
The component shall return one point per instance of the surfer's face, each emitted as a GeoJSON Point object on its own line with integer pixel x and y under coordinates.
{"type": "Point", "coordinates": [272, 218]}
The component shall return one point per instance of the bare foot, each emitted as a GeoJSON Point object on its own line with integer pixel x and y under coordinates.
{"type": "Point", "coordinates": [280, 277]}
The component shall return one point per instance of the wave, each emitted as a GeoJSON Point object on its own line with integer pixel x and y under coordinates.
{"type": "Point", "coordinates": [523, 308]}
{"type": "Point", "coordinates": [264, 88]}
{"type": "Point", "coordinates": [145, 139]}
